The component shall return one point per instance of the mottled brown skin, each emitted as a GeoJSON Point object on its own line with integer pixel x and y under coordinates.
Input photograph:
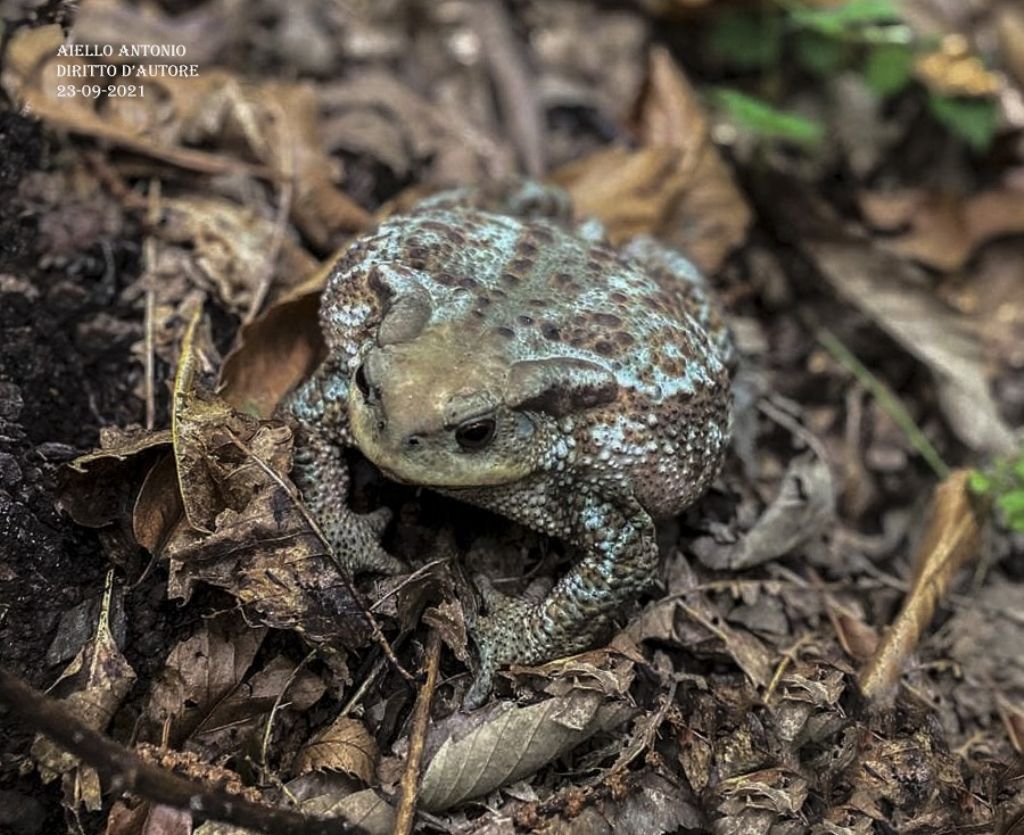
{"type": "Point", "coordinates": [483, 347]}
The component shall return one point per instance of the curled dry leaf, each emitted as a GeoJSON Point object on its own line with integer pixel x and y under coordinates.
{"type": "Point", "coordinates": [675, 186]}
{"type": "Point", "coordinates": [943, 230]}
{"type": "Point", "coordinates": [951, 540]}
{"type": "Point", "coordinates": [275, 351]}
{"type": "Point", "coordinates": [344, 745]}
{"type": "Point", "coordinates": [97, 487]}
{"type": "Point", "coordinates": [803, 508]}
{"type": "Point", "coordinates": [92, 688]}
{"type": "Point", "coordinates": [510, 743]}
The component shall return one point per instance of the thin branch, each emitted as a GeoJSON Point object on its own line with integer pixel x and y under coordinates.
{"type": "Point", "coordinates": [516, 91]}
{"type": "Point", "coordinates": [417, 738]}
{"type": "Point", "coordinates": [124, 771]}
{"type": "Point", "coordinates": [887, 399]}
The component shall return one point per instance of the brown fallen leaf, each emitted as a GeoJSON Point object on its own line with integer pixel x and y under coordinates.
{"type": "Point", "coordinates": [92, 687]}
{"type": "Point", "coordinates": [276, 351]}
{"type": "Point", "coordinates": [97, 487]}
{"type": "Point", "coordinates": [885, 288]}
{"type": "Point", "coordinates": [675, 186]}
{"type": "Point", "coordinates": [943, 229]}
{"type": "Point", "coordinates": [951, 540]}
{"type": "Point", "coordinates": [804, 507]}
{"type": "Point", "coordinates": [200, 672]}
{"type": "Point", "coordinates": [492, 748]}
{"type": "Point", "coordinates": [344, 745]}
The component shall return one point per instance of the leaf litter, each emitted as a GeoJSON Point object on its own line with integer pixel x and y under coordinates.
{"type": "Point", "coordinates": [731, 703]}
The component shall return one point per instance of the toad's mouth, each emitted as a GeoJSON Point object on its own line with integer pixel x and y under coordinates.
{"type": "Point", "coordinates": [424, 465]}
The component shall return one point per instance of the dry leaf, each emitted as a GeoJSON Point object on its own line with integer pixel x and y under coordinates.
{"type": "Point", "coordinates": [92, 688]}
{"type": "Point", "coordinates": [943, 229]}
{"type": "Point", "coordinates": [951, 540]}
{"type": "Point", "coordinates": [228, 244]}
{"type": "Point", "coordinates": [654, 806]}
{"type": "Point", "coordinates": [674, 187]}
{"type": "Point", "coordinates": [344, 745]}
{"type": "Point", "coordinates": [239, 721]}
{"type": "Point", "coordinates": [97, 488]}
{"type": "Point", "coordinates": [510, 743]}
{"type": "Point", "coordinates": [277, 123]}
{"type": "Point", "coordinates": [804, 507]}
{"type": "Point", "coordinates": [276, 351]}
{"type": "Point", "coordinates": [200, 672]}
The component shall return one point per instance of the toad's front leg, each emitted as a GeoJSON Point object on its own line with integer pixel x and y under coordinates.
{"type": "Point", "coordinates": [320, 409]}
{"type": "Point", "coordinates": [620, 556]}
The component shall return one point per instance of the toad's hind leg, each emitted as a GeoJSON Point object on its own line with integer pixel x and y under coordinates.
{"type": "Point", "coordinates": [620, 557]}
{"type": "Point", "coordinates": [321, 474]}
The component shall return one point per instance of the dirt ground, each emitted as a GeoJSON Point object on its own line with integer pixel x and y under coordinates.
{"type": "Point", "coordinates": [836, 642]}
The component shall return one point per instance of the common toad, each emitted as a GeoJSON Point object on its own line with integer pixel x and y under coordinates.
{"type": "Point", "coordinates": [485, 347]}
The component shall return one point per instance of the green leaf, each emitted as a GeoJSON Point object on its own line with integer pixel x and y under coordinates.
{"type": "Point", "coordinates": [1012, 503]}
{"type": "Point", "coordinates": [888, 68]}
{"type": "Point", "coordinates": [979, 483]}
{"type": "Point", "coordinates": [819, 54]}
{"type": "Point", "coordinates": [747, 40]}
{"type": "Point", "coordinates": [759, 117]}
{"type": "Point", "coordinates": [973, 120]}
{"type": "Point", "coordinates": [842, 19]}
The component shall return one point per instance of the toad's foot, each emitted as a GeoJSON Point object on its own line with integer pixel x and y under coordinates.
{"type": "Point", "coordinates": [355, 540]}
{"type": "Point", "coordinates": [513, 633]}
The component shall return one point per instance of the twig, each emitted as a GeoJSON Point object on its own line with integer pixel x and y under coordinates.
{"type": "Point", "coordinates": [152, 217]}
{"type": "Point", "coordinates": [277, 705]}
{"type": "Point", "coordinates": [418, 737]}
{"type": "Point", "coordinates": [887, 400]}
{"type": "Point", "coordinates": [371, 621]}
{"type": "Point", "coordinates": [125, 771]}
{"type": "Point", "coordinates": [515, 88]}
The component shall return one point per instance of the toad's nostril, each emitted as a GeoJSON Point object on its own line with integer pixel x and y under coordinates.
{"type": "Point", "coordinates": [412, 440]}
{"type": "Point", "coordinates": [362, 383]}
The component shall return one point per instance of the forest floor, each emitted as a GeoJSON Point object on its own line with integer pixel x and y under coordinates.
{"type": "Point", "coordinates": [836, 642]}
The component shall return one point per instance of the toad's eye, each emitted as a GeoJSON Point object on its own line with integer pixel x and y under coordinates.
{"type": "Point", "coordinates": [362, 383]}
{"type": "Point", "coordinates": [475, 434]}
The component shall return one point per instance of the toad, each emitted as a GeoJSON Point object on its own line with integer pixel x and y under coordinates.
{"type": "Point", "coordinates": [486, 347]}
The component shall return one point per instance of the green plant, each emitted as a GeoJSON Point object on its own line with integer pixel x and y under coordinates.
{"type": "Point", "coordinates": [1003, 484]}
{"type": "Point", "coordinates": [866, 36]}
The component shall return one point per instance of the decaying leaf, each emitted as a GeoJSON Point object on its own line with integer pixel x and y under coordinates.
{"type": "Point", "coordinates": [951, 540]}
{"type": "Point", "coordinates": [654, 806]}
{"type": "Point", "coordinates": [675, 186]}
{"type": "Point", "coordinates": [98, 487]}
{"type": "Point", "coordinates": [509, 743]}
{"type": "Point", "coordinates": [228, 243]}
{"type": "Point", "coordinates": [943, 230]}
{"type": "Point", "coordinates": [92, 688]}
{"type": "Point", "coordinates": [803, 508]}
{"type": "Point", "coordinates": [200, 672]}
{"type": "Point", "coordinates": [344, 745]}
